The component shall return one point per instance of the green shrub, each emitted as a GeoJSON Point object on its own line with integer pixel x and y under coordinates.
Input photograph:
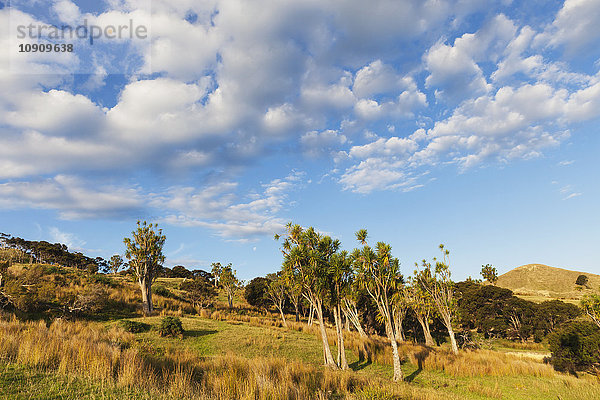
{"type": "Point", "coordinates": [103, 279]}
{"type": "Point", "coordinates": [575, 347]}
{"type": "Point", "coordinates": [170, 326]}
{"type": "Point", "coordinates": [133, 326]}
{"type": "Point", "coordinates": [162, 291]}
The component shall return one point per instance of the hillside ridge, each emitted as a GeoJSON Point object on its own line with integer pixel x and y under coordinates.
{"type": "Point", "coordinates": [546, 283]}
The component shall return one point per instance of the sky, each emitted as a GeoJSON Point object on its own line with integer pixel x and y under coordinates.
{"type": "Point", "coordinates": [469, 123]}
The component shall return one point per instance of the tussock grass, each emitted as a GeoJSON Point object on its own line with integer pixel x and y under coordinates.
{"type": "Point", "coordinates": [110, 355]}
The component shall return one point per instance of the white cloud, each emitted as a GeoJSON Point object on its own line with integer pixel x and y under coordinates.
{"type": "Point", "coordinates": [216, 207]}
{"type": "Point", "coordinates": [70, 239]}
{"type": "Point", "coordinates": [376, 78]}
{"type": "Point", "coordinates": [71, 197]}
{"type": "Point", "coordinates": [454, 70]}
{"type": "Point", "coordinates": [318, 144]}
{"type": "Point", "coordinates": [67, 11]}
{"type": "Point", "coordinates": [575, 27]}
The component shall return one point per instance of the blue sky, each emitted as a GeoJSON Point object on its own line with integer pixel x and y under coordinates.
{"type": "Point", "coordinates": [468, 123]}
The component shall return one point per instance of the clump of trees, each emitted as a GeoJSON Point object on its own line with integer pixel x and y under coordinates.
{"type": "Point", "coordinates": [575, 347]}
{"type": "Point", "coordinates": [18, 250]}
{"type": "Point", "coordinates": [496, 312]}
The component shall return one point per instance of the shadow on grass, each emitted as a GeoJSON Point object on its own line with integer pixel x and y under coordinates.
{"type": "Point", "coordinates": [420, 356]}
{"type": "Point", "coordinates": [356, 365]}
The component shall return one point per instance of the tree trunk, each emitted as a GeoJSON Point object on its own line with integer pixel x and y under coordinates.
{"type": "Point", "coordinates": [145, 287]}
{"type": "Point", "coordinates": [342, 362]}
{"type": "Point", "coordinates": [327, 356]}
{"type": "Point", "coordinates": [230, 298]}
{"type": "Point", "coordinates": [282, 316]}
{"type": "Point", "coordinates": [311, 315]}
{"type": "Point", "coordinates": [399, 331]}
{"type": "Point", "coordinates": [352, 315]}
{"type": "Point", "coordinates": [398, 376]}
{"type": "Point", "coordinates": [426, 331]}
{"type": "Point", "coordinates": [346, 322]}
{"type": "Point", "coordinates": [297, 311]}
{"type": "Point", "coordinates": [452, 338]}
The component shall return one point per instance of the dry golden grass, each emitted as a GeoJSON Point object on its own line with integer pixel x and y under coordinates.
{"type": "Point", "coordinates": [111, 356]}
{"type": "Point", "coordinates": [538, 282]}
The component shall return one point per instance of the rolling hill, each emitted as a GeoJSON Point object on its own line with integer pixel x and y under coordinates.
{"type": "Point", "coordinates": [538, 282]}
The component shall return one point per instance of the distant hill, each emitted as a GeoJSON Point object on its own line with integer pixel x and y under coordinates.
{"type": "Point", "coordinates": [538, 282]}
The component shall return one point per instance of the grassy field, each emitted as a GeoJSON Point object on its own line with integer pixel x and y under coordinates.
{"type": "Point", "coordinates": [262, 358]}
{"type": "Point", "coordinates": [247, 354]}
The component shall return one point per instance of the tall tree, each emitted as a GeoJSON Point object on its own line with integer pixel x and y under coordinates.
{"type": "Point", "coordinates": [340, 272]}
{"type": "Point", "coordinates": [309, 253]}
{"type": "Point", "coordinates": [422, 305]}
{"type": "Point", "coordinates": [440, 287]}
{"type": "Point", "coordinates": [400, 306]}
{"type": "Point", "coordinates": [350, 305]}
{"type": "Point", "coordinates": [379, 274]}
{"type": "Point", "coordinates": [226, 279]}
{"type": "Point", "coordinates": [144, 252]}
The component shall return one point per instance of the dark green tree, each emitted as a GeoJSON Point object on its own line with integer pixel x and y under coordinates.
{"type": "Point", "coordinates": [256, 294]}
{"type": "Point", "coordinates": [582, 280]}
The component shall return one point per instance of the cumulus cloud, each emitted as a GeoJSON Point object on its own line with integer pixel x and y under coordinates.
{"type": "Point", "coordinates": [454, 70]}
{"type": "Point", "coordinates": [236, 83]}
{"type": "Point", "coordinates": [318, 144]}
{"type": "Point", "coordinates": [71, 197]}
{"type": "Point", "coordinates": [216, 207]}
{"type": "Point", "coordinates": [575, 26]}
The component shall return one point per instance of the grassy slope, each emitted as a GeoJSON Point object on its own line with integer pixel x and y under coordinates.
{"type": "Point", "coordinates": [539, 282]}
{"type": "Point", "coordinates": [209, 337]}
{"type": "Point", "coordinates": [22, 382]}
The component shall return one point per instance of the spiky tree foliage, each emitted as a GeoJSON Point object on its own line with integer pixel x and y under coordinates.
{"type": "Point", "coordinates": [422, 305]}
{"type": "Point", "coordinates": [227, 280]}
{"type": "Point", "coordinates": [144, 252]}
{"type": "Point", "coordinates": [400, 306]}
{"type": "Point", "coordinates": [293, 289]}
{"type": "Point", "coordinates": [340, 275]}
{"type": "Point", "coordinates": [277, 294]}
{"type": "Point", "coordinates": [350, 304]}
{"type": "Point", "coordinates": [489, 273]}
{"type": "Point", "coordinates": [590, 305]}
{"type": "Point", "coordinates": [308, 254]}
{"type": "Point", "coordinates": [436, 281]}
{"type": "Point", "coordinates": [379, 275]}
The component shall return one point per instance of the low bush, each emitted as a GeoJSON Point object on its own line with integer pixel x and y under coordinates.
{"type": "Point", "coordinates": [162, 291]}
{"type": "Point", "coordinates": [133, 326]}
{"type": "Point", "coordinates": [170, 326]}
{"type": "Point", "coordinates": [575, 347]}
